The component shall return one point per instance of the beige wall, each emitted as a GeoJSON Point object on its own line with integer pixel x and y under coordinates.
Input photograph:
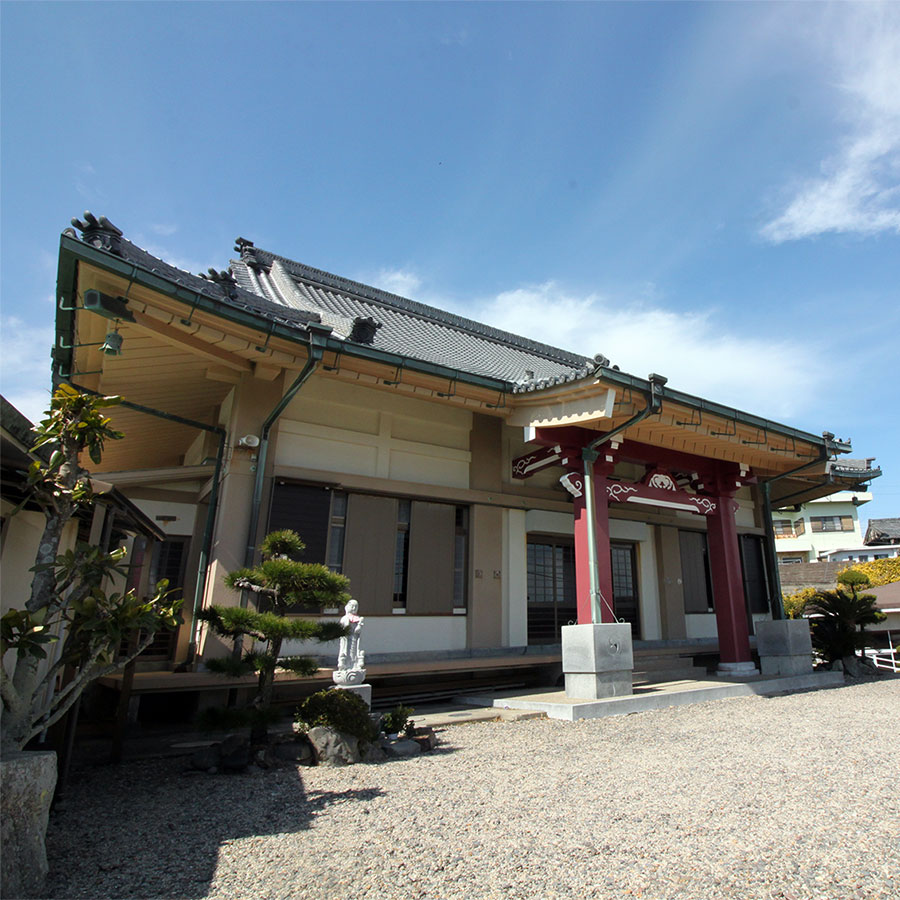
{"type": "Point", "coordinates": [335, 427]}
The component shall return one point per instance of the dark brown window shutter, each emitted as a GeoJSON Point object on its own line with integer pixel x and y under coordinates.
{"type": "Point", "coordinates": [432, 534]}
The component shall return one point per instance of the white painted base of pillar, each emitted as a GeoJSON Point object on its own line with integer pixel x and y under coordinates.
{"type": "Point", "coordinates": [361, 690]}
{"type": "Point", "coordinates": [736, 670]}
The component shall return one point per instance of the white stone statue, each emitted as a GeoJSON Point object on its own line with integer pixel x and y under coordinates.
{"type": "Point", "coordinates": [351, 663]}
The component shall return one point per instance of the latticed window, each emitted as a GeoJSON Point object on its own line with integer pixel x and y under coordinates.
{"type": "Point", "coordinates": [783, 527]}
{"type": "Point", "coordinates": [831, 523]}
{"type": "Point", "coordinates": [551, 589]}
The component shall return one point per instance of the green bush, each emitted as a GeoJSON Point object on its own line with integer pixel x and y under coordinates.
{"type": "Point", "coordinates": [838, 621]}
{"type": "Point", "coordinates": [398, 720]}
{"type": "Point", "coordinates": [341, 710]}
{"type": "Point", "coordinates": [878, 571]}
{"type": "Point", "coordinates": [795, 604]}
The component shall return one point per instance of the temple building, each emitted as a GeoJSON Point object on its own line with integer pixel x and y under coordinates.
{"type": "Point", "coordinates": [480, 489]}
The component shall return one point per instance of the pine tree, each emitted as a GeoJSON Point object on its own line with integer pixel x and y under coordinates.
{"type": "Point", "coordinates": [283, 587]}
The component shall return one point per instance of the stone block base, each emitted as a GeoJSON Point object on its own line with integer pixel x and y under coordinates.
{"type": "Point", "coordinates": [582, 686]}
{"type": "Point", "coordinates": [29, 779]}
{"type": "Point", "coordinates": [785, 647]}
{"type": "Point", "coordinates": [361, 690]}
{"type": "Point", "coordinates": [597, 660]}
{"type": "Point", "coordinates": [783, 637]}
{"type": "Point", "coordinates": [786, 665]}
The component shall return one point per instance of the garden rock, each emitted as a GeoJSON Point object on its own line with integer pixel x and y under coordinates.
{"type": "Point", "coordinates": [425, 737]}
{"type": "Point", "coordinates": [235, 751]}
{"type": "Point", "coordinates": [296, 751]}
{"type": "Point", "coordinates": [374, 753]}
{"type": "Point", "coordinates": [332, 748]}
{"type": "Point", "coordinates": [206, 758]}
{"type": "Point", "coordinates": [403, 748]}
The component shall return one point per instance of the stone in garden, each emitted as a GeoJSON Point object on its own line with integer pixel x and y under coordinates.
{"type": "Point", "coordinates": [425, 738]}
{"type": "Point", "coordinates": [235, 751]}
{"type": "Point", "coordinates": [295, 751]}
{"type": "Point", "coordinates": [403, 748]}
{"type": "Point", "coordinates": [206, 758]}
{"type": "Point", "coordinates": [333, 748]}
{"type": "Point", "coordinates": [29, 779]}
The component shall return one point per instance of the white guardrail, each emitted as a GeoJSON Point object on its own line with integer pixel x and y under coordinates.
{"type": "Point", "coordinates": [884, 659]}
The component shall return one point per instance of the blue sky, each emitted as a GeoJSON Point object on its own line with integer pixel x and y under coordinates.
{"type": "Point", "coordinates": [710, 191]}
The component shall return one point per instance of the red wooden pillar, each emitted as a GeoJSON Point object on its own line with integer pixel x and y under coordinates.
{"type": "Point", "coordinates": [728, 582]}
{"type": "Point", "coordinates": [583, 548]}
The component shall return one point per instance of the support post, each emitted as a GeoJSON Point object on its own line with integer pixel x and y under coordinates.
{"type": "Point", "coordinates": [593, 572]}
{"type": "Point", "coordinates": [728, 590]}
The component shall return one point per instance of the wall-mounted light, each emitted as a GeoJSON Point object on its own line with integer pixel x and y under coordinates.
{"type": "Point", "coordinates": [249, 441]}
{"type": "Point", "coordinates": [112, 346]}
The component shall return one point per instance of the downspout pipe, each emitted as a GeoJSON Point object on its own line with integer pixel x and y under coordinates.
{"type": "Point", "coordinates": [206, 545]}
{"type": "Point", "coordinates": [589, 455]}
{"type": "Point", "coordinates": [317, 337]}
{"type": "Point", "coordinates": [777, 605]}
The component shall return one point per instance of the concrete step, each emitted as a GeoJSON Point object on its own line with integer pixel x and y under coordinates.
{"type": "Point", "coordinates": [657, 676]}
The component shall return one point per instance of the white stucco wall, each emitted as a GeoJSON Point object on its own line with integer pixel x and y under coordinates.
{"type": "Point", "coordinates": [396, 634]}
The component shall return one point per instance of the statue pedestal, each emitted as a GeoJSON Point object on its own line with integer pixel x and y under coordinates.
{"type": "Point", "coordinates": [597, 661]}
{"type": "Point", "coordinates": [361, 690]}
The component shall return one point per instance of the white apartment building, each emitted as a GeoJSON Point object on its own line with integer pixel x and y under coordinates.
{"type": "Point", "coordinates": [821, 528]}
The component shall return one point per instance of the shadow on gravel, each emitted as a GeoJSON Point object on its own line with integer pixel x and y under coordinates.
{"type": "Point", "coordinates": [149, 829]}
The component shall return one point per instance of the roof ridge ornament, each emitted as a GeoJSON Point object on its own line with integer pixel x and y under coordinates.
{"type": "Point", "coordinates": [247, 251]}
{"type": "Point", "coordinates": [225, 279]}
{"type": "Point", "coordinates": [99, 232]}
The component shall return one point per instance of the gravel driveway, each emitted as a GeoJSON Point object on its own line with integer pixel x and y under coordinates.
{"type": "Point", "coordinates": [796, 796]}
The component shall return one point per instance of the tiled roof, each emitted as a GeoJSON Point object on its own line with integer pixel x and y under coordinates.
{"type": "Point", "coordinates": [289, 293]}
{"type": "Point", "coordinates": [406, 327]}
{"type": "Point", "coordinates": [882, 529]}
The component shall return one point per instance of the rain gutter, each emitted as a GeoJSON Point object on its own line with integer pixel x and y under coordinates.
{"type": "Point", "coordinates": [825, 449]}
{"type": "Point", "coordinates": [589, 455]}
{"type": "Point", "coordinates": [317, 339]}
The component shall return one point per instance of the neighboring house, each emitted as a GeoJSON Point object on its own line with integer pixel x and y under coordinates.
{"type": "Point", "coordinates": [883, 532]}
{"type": "Point", "coordinates": [809, 532]}
{"type": "Point", "coordinates": [461, 476]}
{"type": "Point", "coordinates": [861, 554]}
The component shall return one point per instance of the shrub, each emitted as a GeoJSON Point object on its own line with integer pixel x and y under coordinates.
{"type": "Point", "coordinates": [795, 604]}
{"type": "Point", "coordinates": [878, 571]}
{"type": "Point", "coordinates": [341, 710]}
{"type": "Point", "coordinates": [398, 720]}
{"type": "Point", "coordinates": [838, 622]}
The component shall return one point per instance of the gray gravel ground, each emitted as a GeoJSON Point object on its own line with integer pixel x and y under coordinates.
{"type": "Point", "coordinates": [787, 797]}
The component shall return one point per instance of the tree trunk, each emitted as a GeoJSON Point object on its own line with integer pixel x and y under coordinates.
{"type": "Point", "coordinates": [259, 731]}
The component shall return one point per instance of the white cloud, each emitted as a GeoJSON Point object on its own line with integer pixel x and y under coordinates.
{"type": "Point", "coordinates": [172, 258]}
{"type": "Point", "coordinates": [25, 365]}
{"type": "Point", "coordinates": [696, 350]}
{"type": "Point", "coordinates": [164, 229]}
{"type": "Point", "coordinates": [858, 189]}
{"type": "Point", "coordinates": [396, 281]}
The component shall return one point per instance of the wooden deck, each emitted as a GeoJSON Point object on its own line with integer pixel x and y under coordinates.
{"type": "Point", "coordinates": [166, 682]}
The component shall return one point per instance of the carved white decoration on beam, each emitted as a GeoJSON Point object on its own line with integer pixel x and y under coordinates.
{"type": "Point", "coordinates": [616, 490]}
{"type": "Point", "coordinates": [573, 483]}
